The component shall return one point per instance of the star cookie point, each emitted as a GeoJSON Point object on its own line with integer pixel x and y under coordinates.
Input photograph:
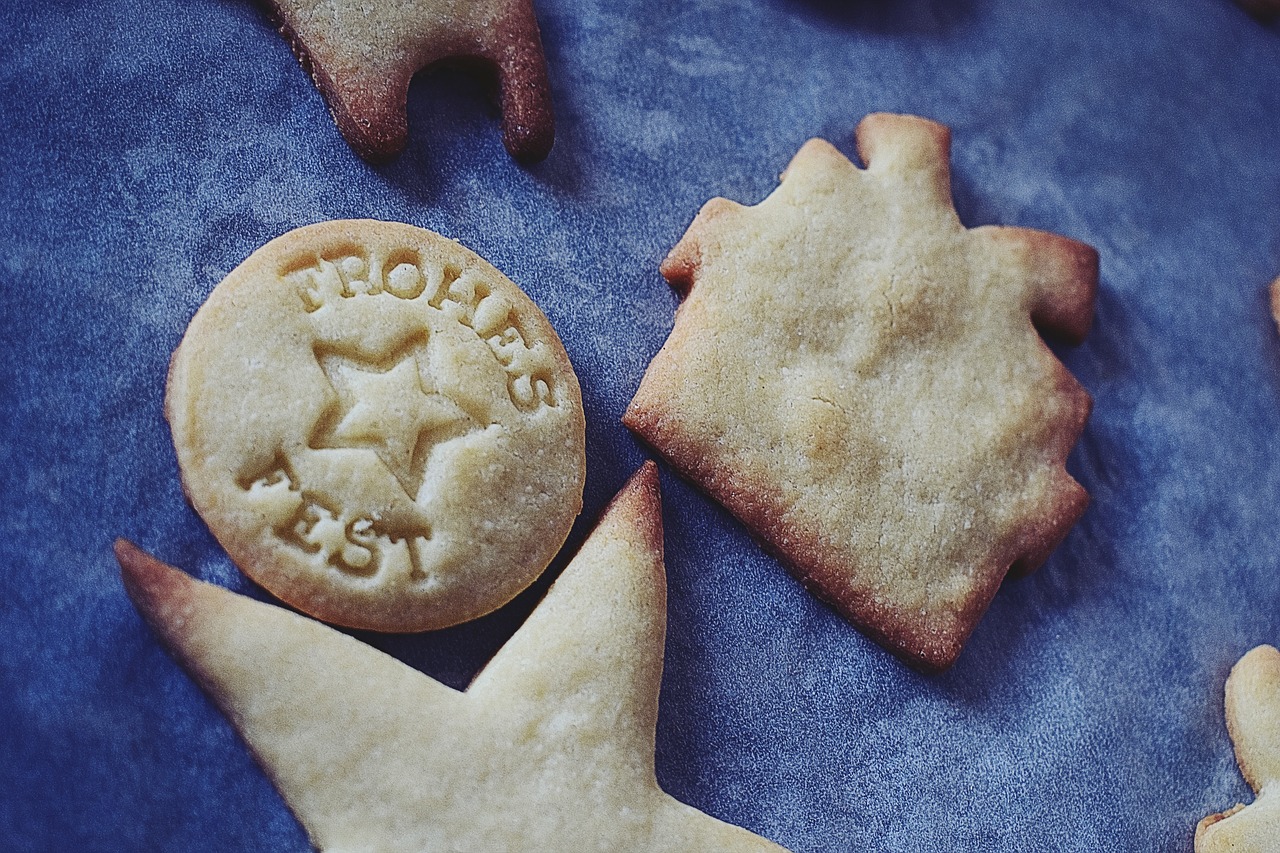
{"type": "Point", "coordinates": [550, 748]}
{"type": "Point", "coordinates": [362, 56]}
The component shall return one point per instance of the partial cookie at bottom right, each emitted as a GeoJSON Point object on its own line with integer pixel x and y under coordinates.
{"type": "Point", "coordinates": [1253, 720]}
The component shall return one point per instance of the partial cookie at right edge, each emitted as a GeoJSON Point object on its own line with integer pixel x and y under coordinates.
{"type": "Point", "coordinates": [860, 379]}
{"type": "Point", "coordinates": [1253, 720]}
{"type": "Point", "coordinates": [1263, 10]}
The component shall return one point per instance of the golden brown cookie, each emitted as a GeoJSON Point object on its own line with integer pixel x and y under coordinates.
{"type": "Point", "coordinates": [362, 54]}
{"type": "Point", "coordinates": [550, 748]}
{"type": "Point", "coordinates": [859, 378]}
{"type": "Point", "coordinates": [378, 426]}
{"type": "Point", "coordinates": [1253, 720]}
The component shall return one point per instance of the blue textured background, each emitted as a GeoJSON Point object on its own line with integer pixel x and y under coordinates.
{"type": "Point", "coordinates": [148, 148]}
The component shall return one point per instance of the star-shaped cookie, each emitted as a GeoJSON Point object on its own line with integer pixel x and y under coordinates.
{"type": "Point", "coordinates": [550, 749]}
{"type": "Point", "coordinates": [1253, 719]}
{"type": "Point", "coordinates": [860, 379]}
{"type": "Point", "coordinates": [363, 53]}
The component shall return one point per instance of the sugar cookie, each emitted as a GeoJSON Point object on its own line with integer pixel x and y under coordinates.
{"type": "Point", "coordinates": [857, 377]}
{"type": "Point", "coordinates": [1253, 719]}
{"type": "Point", "coordinates": [550, 748]}
{"type": "Point", "coordinates": [363, 53]}
{"type": "Point", "coordinates": [378, 426]}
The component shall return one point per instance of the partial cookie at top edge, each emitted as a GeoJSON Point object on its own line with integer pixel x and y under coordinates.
{"type": "Point", "coordinates": [1263, 10]}
{"type": "Point", "coordinates": [378, 426]}
{"type": "Point", "coordinates": [362, 57]}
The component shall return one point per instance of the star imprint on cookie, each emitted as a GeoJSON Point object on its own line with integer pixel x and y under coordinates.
{"type": "Point", "coordinates": [551, 748]}
{"type": "Point", "coordinates": [378, 426]}
{"type": "Point", "coordinates": [1253, 720]}
{"type": "Point", "coordinates": [362, 55]}
{"type": "Point", "coordinates": [860, 379]}
{"type": "Point", "coordinates": [389, 412]}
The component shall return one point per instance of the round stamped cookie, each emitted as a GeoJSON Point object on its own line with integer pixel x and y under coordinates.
{"type": "Point", "coordinates": [379, 427]}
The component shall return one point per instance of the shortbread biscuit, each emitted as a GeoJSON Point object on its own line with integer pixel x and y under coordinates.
{"type": "Point", "coordinates": [551, 748]}
{"type": "Point", "coordinates": [858, 378]}
{"type": "Point", "coordinates": [378, 426]}
{"type": "Point", "coordinates": [1263, 10]}
{"type": "Point", "coordinates": [363, 53]}
{"type": "Point", "coordinates": [1253, 720]}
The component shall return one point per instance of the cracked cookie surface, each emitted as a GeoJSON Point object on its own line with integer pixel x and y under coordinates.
{"type": "Point", "coordinates": [378, 426]}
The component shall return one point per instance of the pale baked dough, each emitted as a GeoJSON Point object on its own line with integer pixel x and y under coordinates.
{"type": "Point", "coordinates": [378, 426]}
{"type": "Point", "coordinates": [1253, 720]}
{"type": "Point", "coordinates": [1263, 10]}
{"type": "Point", "coordinates": [363, 53]}
{"type": "Point", "coordinates": [550, 749]}
{"type": "Point", "coordinates": [857, 377]}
